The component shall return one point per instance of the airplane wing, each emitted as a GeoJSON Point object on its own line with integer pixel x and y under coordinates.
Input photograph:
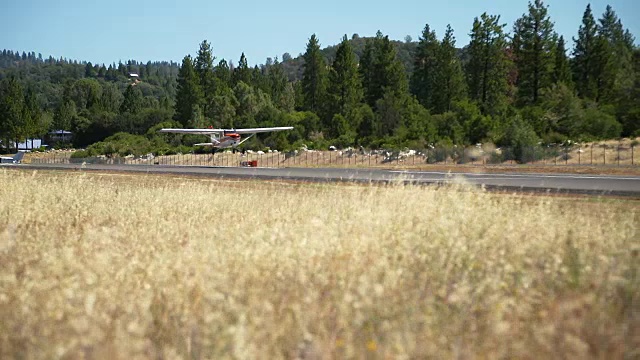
{"type": "Point", "coordinates": [258, 130]}
{"type": "Point", "coordinates": [193, 131]}
{"type": "Point", "coordinates": [223, 131]}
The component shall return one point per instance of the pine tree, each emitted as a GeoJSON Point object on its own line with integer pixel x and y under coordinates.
{"type": "Point", "coordinates": [12, 124]}
{"type": "Point", "coordinates": [223, 73]}
{"type": "Point", "coordinates": [242, 72]}
{"type": "Point", "coordinates": [365, 70]}
{"type": "Point", "coordinates": [628, 104]}
{"type": "Point", "coordinates": [259, 79]}
{"type": "Point", "coordinates": [585, 58]}
{"type": "Point", "coordinates": [33, 114]}
{"type": "Point", "coordinates": [381, 71]}
{"type": "Point", "coordinates": [488, 67]}
{"type": "Point", "coordinates": [561, 68]}
{"type": "Point", "coordinates": [448, 78]}
{"type": "Point", "coordinates": [424, 68]}
{"type": "Point", "coordinates": [615, 58]}
{"type": "Point", "coordinates": [188, 92]}
{"type": "Point", "coordinates": [111, 98]}
{"type": "Point", "coordinates": [314, 77]}
{"type": "Point", "coordinates": [533, 45]}
{"type": "Point", "coordinates": [64, 115]}
{"type": "Point", "coordinates": [89, 70]}
{"type": "Point", "coordinates": [344, 90]}
{"type": "Point", "coordinates": [278, 87]}
{"type": "Point", "coordinates": [133, 100]}
{"type": "Point", "coordinates": [389, 74]}
{"type": "Point", "coordinates": [204, 67]}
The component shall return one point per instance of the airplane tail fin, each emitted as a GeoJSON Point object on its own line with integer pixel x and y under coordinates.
{"type": "Point", "coordinates": [17, 158]}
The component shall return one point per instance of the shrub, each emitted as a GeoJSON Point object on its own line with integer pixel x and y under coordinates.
{"type": "Point", "coordinates": [80, 154]}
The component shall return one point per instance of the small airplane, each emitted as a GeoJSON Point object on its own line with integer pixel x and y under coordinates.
{"type": "Point", "coordinates": [15, 159]}
{"type": "Point", "coordinates": [225, 138]}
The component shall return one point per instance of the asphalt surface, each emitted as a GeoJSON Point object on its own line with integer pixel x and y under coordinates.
{"type": "Point", "coordinates": [551, 183]}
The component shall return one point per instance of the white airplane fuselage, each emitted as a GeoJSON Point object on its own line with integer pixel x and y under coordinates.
{"type": "Point", "coordinates": [227, 141]}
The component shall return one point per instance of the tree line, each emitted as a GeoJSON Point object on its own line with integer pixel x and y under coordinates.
{"type": "Point", "coordinates": [513, 88]}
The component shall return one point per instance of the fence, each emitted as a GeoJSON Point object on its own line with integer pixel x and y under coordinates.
{"type": "Point", "coordinates": [592, 155]}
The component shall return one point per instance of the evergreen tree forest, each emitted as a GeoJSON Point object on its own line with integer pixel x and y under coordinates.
{"type": "Point", "coordinates": [514, 85]}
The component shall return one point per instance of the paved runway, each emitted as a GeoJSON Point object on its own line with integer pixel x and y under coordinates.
{"type": "Point", "coordinates": [554, 183]}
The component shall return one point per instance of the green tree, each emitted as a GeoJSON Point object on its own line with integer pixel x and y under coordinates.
{"type": "Point", "coordinates": [521, 137]}
{"type": "Point", "coordinates": [449, 79]}
{"type": "Point", "coordinates": [133, 100]}
{"type": "Point", "coordinates": [242, 72]}
{"type": "Point", "coordinates": [425, 68]}
{"type": "Point", "coordinates": [365, 70]}
{"type": "Point", "coordinates": [85, 93]}
{"type": "Point", "coordinates": [344, 90]}
{"type": "Point", "coordinates": [281, 95]}
{"type": "Point", "coordinates": [223, 73]}
{"type": "Point", "coordinates": [585, 57]}
{"type": "Point", "coordinates": [628, 110]}
{"type": "Point", "coordinates": [204, 67]}
{"type": "Point", "coordinates": [223, 109]}
{"type": "Point", "coordinates": [64, 115]}
{"type": "Point", "coordinates": [89, 71]}
{"type": "Point", "coordinates": [615, 59]}
{"type": "Point", "coordinates": [250, 102]}
{"type": "Point", "coordinates": [475, 127]}
{"type": "Point", "coordinates": [389, 73]}
{"type": "Point", "coordinates": [189, 92]}
{"type": "Point", "coordinates": [488, 67]}
{"type": "Point", "coordinates": [389, 112]}
{"type": "Point", "coordinates": [12, 123]}
{"type": "Point", "coordinates": [111, 98]}
{"type": "Point", "coordinates": [533, 45]}
{"type": "Point", "coordinates": [561, 67]}
{"type": "Point", "coordinates": [32, 115]}
{"type": "Point", "coordinates": [314, 77]}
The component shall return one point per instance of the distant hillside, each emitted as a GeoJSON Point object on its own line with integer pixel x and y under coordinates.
{"type": "Point", "coordinates": [48, 76]}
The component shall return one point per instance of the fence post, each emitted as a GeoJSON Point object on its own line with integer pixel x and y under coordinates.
{"type": "Point", "coordinates": [566, 155]}
{"type": "Point", "coordinates": [534, 159]}
{"type": "Point", "coordinates": [604, 154]}
{"type": "Point", "coordinates": [618, 154]}
{"type": "Point", "coordinates": [591, 154]}
{"type": "Point", "coordinates": [632, 154]}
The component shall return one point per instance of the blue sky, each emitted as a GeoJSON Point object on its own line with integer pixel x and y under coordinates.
{"type": "Point", "coordinates": [106, 32]}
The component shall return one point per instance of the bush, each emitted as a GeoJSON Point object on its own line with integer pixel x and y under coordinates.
{"type": "Point", "coordinates": [520, 137]}
{"type": "Point", "coordinates": [600, 124]}
{"type": "Point", "coordinates": [78, 154]}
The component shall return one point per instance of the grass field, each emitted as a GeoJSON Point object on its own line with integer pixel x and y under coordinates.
{"type": "Point", "coordinates": [122, 267]}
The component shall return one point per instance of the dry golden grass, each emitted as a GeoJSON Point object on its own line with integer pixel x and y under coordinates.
{"type": "Point", "coordinates": [113, 266]}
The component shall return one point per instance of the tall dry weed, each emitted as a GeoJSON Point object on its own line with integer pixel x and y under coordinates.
{"type": "Point", "coordinates": [113, 266]}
